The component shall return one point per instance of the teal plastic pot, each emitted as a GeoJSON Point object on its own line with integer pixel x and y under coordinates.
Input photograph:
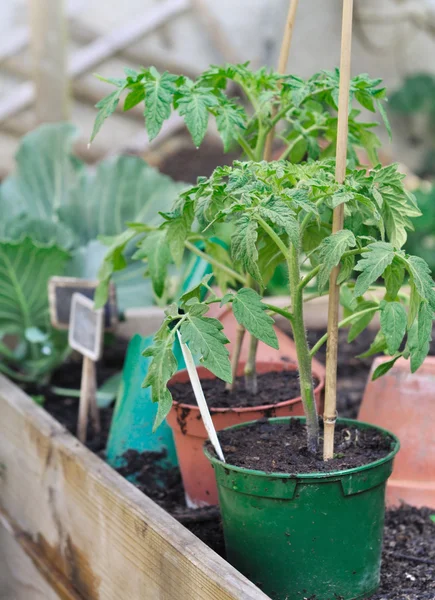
{"type": "Point", "coordinates": [306, 536]}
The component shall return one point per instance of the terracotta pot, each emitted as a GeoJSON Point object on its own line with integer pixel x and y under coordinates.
{"type": "Point", "coordinates": [285, 353]}
{"type": "Point", "coordinates": [405, 404]}
{"type": "Point", "coordinates": [190, 435]}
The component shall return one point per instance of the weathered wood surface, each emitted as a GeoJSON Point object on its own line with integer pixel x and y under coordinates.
{"type": "Point", "coordinates": [87, 531]}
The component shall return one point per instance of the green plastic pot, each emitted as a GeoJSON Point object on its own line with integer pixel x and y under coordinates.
{"type": "Point", "coordinates": [306, 536]}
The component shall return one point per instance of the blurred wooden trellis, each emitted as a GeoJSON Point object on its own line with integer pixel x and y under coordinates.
{"type": "Point", "coordinates": [38, 53]}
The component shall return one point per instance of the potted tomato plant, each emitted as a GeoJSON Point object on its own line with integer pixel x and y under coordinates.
{"type": "Point", "coordinates": [304, 113]}
{"type": "Point", "coordinates": [281, 503]}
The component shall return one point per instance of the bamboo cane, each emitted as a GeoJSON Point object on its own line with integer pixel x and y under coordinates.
{"type": "Point", "coordinates": [282, 64]}
{"type": "Point", "coordinates": [330, 412]}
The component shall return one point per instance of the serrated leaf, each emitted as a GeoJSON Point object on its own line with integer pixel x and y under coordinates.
{"type": "Point", "coordinates": [230, 120]}
{"type": "Point", "coordinates": [154, 248]}
{"type": "Point", "coordinates": [331, 250]}
{"type": "Point", "coordinates": [135, 97]}
{"type": "Point", "coordinates": [378, 345]}
{"type": "Point", "coordinates": [348, 300]}
{"type": "Point", "coordinates": [114, 260]}
{"type": "Point", "coordinates": [363, 321]}
{"type": "Point", "coordinates": [394, 275]}
{"type": "Point", "coordinates": [346, 269]}
{"type": "Point", "coordinates": [384, 367]}
{"type": "Point", "coordinates": [243, 246]}
{"type": "Point", "coordinates": [421, 278]}
{"type": "Point", "coordinates": [204, 337]}
{"type": "Point", "coordinates": [162, 367]}
{"type": "Point", "coordinates": [250, 312]}
{"type": "Point", "coordinates": [106, 107]}
{"type": "Point", "coordinates": [372, 265]}
{"type": "Point", "coordinates": [194, 105]}
{"type": "Point", "coordinates": [177, 230]}
{"type": "Point", "coordinates": [281, 214]}
{"type": "Point", "coordinates": [196, 291]}
{"type": "Point", "coordinates": [420, 336]}
{"type": "Point", "coordinates": [159, 93]}
{"type": "Point", "coordinates": [393, 324]}
{"type": "Point", "coordinates": [384, 116]}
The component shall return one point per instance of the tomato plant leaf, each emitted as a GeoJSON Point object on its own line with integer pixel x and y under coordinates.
{"type": "Point", "coordinates": [206, 337]}
{"type": "Point", "coordinates": [421, 277]}
{"type": "Point", "coordinates": [250, 312]}
{"type": "Point", "coordinates": [159, 92]}
{"type": "Point", "coordinates": [243, 246]}
{"type": "Point", "coordinates": [154, 248]}
{"type": "Point", "coordinates": [420, 336]}
{"type": "Point", "coordinates": [372, 265]}
{"type": "Point", "coordinates": [331, 250]}
{"type": "Point", "coordinates": [162, 367]}
{"type": "Point", "coordinates": [393, 324]}
{"type": "Point", "coordinates": [384, 367]}
{"type": "Point", "coordinates": [194, 104]}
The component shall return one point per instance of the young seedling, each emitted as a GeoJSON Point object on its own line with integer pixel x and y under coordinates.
{"type": "Point", "coordinates": [304, 115]}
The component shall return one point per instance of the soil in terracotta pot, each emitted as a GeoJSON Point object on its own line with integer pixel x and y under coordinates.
{"type": "Point", "coordinates": [273, 387]}
{"type": "Point", "coordinates": [281, 448]}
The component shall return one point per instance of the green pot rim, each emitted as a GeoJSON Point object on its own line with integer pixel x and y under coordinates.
{"type": "Point", "coordinates": [310, 476]}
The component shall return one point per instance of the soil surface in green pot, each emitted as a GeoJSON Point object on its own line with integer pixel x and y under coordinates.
{"type": "Point", "coordinates": [281, 447]}
{"type": "Point", "coordinates": [301, 529]}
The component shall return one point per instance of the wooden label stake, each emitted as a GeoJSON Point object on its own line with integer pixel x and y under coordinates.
{"type": "Point", "coordinates": [86, 336]}
{"type": "Point", "coordinates": [330, 412]}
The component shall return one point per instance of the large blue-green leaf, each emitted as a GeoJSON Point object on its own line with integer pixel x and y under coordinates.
{"type": "Point", "coordinates": [25, 268]}
{"type": "Point", "coordinates": [45, 174]}
{"type": "Point", "coordinates": [122, 189]}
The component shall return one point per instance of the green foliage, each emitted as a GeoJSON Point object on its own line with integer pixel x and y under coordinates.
{"type": "Point", "coordinates": [55, 198]}
{"type": "Point", "coordinates": [200, 332]}
{"type": "Point", "coordinates": [54, 207]}
{"type": "Point", "coordinates": [271, 205]}
{"type": "Point", "coordinates": [303, 109]}
{"type": "Point", "coordinates": [331, 251]}
{"type": "Point", "coordinates": [384, 367]}
{"type": "Point", "coordinates": [393, 324]}
{"type": "Point", "coordinates": [372, 265]}
{"type": "Point", "coordinates": [421, 242]}
{"type": "Point", "coordinates": [278, 214]}
{"type": "Point", "coordinates": [250, 312]}
{"type": "Point", "coordinates": [25, 267]}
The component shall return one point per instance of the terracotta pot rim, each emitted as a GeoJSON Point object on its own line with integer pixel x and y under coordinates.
{"type": "Point", "coordinates": [262, 407]}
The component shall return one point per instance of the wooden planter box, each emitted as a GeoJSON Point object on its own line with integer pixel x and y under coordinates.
{"type": "Point", "coordinates": [72, 528]}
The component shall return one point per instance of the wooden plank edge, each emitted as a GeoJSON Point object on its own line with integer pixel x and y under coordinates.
{"type": "Point", "coordinates": [55, 578]}
{"type": "Point", "coordinates": [225, 577]}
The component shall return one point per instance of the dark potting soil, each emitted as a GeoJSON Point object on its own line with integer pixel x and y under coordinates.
{"type": "Point", "coordinates": [281, 448]}
{"type": "Point", "coordinates": [65, 408]}
{"type": "Point", "coordinates": [273, 387]}
{"type": "Point", "coordinates": [162, 483]}
{"type": "Point", "coordinates": [408, 559]}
